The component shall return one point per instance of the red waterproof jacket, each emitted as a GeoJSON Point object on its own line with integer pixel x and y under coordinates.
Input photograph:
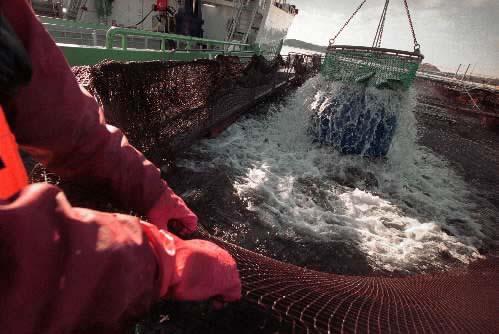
{"type": "Point", "coordinates": [66, 269]}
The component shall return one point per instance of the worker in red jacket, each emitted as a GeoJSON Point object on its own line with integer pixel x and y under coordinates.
{"type": "Point", "coordinates": [65, 269]}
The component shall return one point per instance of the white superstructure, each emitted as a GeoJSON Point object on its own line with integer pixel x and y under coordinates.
{"type": "Point", "coordinates": [263, 22]}
{"type": "Point", "coordinates": [248, 21]}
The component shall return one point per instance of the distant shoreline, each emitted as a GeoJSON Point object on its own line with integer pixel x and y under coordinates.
{"type": "Point", "coordinates": [304, 45]}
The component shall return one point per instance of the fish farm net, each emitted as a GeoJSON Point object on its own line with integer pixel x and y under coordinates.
{"type": "Point", "coordinates": [382, 68]}
{"type": "Point", "coordinates": [459, 301]}
{"type": "Point", "coordinates": [169, 105]}
{"type": "Point", "coordinates": [163, 106]}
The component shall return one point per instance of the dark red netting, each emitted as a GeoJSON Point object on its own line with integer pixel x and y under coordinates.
{"type": "Point", "coordinates": [463, 300]}
{"type": "Point", "coordinates": [164, 106]}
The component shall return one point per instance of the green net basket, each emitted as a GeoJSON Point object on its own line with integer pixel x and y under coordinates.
{"type": "Point", "coordinates": [383, 68]}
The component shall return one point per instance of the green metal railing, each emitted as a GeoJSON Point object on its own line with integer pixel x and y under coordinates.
{"type": "Point", "coordinates": [180, 42]}
{"type": "Point", "coordinates": [112, 32]}
{"type": "Point", "coordinates": [100, 42]}
{"type": "Point", "coordinates": [71, 24]}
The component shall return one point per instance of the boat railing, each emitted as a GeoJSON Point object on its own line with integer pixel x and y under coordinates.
{"type": "Point", "coordinates": [72, 32]}
{"type": "Point", "coordinates": [98, 35]}
{"type": "Point", "coordinates": [173, 42]}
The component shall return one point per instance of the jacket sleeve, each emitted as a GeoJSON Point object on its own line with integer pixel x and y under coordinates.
{"type": "Point", "coordinates": [68, 270]}
{"type": "Point", "coordinates": [61, 125]}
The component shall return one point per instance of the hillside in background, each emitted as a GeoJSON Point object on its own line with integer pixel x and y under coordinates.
{"type": "Point", "coordinates": [427, 67]}
{"type": "Point", "coordinates": [304, 45]}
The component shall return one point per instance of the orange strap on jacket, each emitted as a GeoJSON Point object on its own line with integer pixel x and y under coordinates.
{"type": "Point", "coordinates": [13, 175]}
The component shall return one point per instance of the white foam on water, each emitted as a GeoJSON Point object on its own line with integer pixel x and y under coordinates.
{"type": "Point", "coordinates": [395, 210]}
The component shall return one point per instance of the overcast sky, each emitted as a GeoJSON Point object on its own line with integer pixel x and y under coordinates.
{"type": "Point", "coordinates": [450, 31]}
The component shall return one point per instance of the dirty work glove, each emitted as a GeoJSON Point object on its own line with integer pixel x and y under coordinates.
{"type": "Point", "coordinates": [194, 270]}
{"type": "Point", "coordinates": [171, 213]}
{"type": "Point", "coordinates": [15, 65]}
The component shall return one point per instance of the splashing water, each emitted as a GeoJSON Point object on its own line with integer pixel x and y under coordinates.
{"type": "Point", "coordinates": [398, 210]}
{"type": "Point", "coordinates": [356, 119]}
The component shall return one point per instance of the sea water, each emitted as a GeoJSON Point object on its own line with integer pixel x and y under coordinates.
{"type": "Point", "coordinates": [397, 210]}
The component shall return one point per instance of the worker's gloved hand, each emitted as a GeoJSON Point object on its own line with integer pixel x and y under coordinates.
{"type": "Point", "coordinates": [171, 213]}
{"type": "Point", "coordinates": [194, 270]}
{"type": "Point", "coordinates": [15, 65]}
{"type": "Point", "coordinates": [204, 270]}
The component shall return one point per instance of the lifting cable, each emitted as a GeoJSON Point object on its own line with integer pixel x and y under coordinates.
{"type": "Point", "coordinates": [332, 40]}
{"type": "Point", "coordinates": [381, 26]}
{"type": "Point", "coordinates": [379, 32]}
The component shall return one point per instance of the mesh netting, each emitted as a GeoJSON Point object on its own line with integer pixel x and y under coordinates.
{"type": "Point", "coordinates": [168, 105]}
{"type": "Point", "coordinates": [458, 301]}
{"type": "Point", "coordinates": [374, 66]}
{"type": "Point", "coordinates": [163, 106]}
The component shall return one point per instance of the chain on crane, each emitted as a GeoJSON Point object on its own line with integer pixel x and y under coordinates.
{"type": "Point", "coordinates": [332, 40]}
{"type": "Point", "coordinates": [379, 32]}
{"type": "Point", "coordinates": [416, 44]}
{"type": "Point", "coordinates": [381, 26]}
